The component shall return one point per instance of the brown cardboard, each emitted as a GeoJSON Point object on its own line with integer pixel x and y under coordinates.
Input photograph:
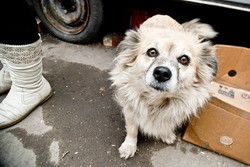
{"type": "Point", "coordinates": [237, 97]}
{"type": "Point", "coordinates": [222, 127]}
{"type": "Point", "coordinates": [234, 58]}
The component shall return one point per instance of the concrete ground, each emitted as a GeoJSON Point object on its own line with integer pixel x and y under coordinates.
{"type": "Point", "coordinates": [81, 125]}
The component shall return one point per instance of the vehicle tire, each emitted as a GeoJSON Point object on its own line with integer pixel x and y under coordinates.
{"type": "Point", "coordinates": [76, 21]}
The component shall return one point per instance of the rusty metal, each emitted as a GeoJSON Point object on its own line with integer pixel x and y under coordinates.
{"type": "Point", "coordinates": [69, 19]}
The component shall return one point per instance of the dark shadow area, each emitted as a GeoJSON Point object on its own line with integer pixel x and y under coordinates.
{"type": "Point", "coordinates": [232, 25]}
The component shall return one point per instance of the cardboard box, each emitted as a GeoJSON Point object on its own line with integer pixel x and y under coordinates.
{"type": "Point", "coordinates": [222, 126]}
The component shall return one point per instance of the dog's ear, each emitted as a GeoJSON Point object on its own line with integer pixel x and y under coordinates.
{"type": "Point", "coordinates": [204, 31]}
{"type": "Point", "coordinates": [208, 64]}
{"type": "Point", "coordinates": [127, 49]}
{"type": "Point", "coordinates": [129, 42]}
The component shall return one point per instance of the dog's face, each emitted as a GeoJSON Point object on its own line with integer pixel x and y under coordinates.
{"type": "Point", "coordinates": [167, 60]}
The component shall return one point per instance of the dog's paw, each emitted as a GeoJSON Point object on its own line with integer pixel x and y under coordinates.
{"type": "Point", "coordinates": [127, 150]}
{"type": "Point", "coordinates": [169, 139]}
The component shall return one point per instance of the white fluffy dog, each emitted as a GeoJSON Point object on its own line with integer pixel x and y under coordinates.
{"type": "Point", "coordinates": [162, 76]}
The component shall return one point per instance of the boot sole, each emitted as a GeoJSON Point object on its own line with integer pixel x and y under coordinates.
{"type": "Point", "coordinates": [20, 119]}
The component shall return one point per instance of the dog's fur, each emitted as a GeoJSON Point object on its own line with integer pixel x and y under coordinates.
{"type": "Point", "coordinates": [157, 109]}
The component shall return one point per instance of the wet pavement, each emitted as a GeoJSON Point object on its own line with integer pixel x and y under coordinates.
{"type": "Point", "coordinates": [81, 125]}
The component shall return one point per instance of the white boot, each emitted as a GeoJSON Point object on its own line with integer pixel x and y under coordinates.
{"type": "Point", "coordinates": [29, 88]}
{"type": "Point", "coordinates": [5, 82]}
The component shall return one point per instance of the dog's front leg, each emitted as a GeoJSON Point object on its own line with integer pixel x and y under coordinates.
{"type": "Point", "coordinates": [129, 146]}
{"type": "Point", "coordinates": [169, 137]}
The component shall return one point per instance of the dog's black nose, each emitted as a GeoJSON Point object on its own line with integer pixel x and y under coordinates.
{"type": "Point", "coordinates": [162, 74]}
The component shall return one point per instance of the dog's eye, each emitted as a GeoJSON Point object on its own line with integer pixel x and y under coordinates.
{"type": "Point", "coordinates": [152, 52]}
{"type": "Point", "coordinates": [184, 60]}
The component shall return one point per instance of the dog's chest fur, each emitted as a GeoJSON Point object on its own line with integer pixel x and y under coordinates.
{"type": "Point", "coordinates": [157, 120]}
{"type": "Point", "coordinates": [157, 115]}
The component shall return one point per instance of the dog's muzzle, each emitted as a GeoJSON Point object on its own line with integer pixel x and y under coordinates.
{"type": "Point", "coordinates": [162, 74]}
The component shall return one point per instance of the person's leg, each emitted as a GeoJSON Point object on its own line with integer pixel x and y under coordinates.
{"type": "Point", "coordinates": [5, 81]}
{"type": "Point", "coordinates": [18, 25]}
{"type": "Point", "coordinates": [21, 54]}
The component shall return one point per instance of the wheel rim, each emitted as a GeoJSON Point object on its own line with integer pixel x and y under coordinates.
{"type": "Point", "coordinates": [67, 16]}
